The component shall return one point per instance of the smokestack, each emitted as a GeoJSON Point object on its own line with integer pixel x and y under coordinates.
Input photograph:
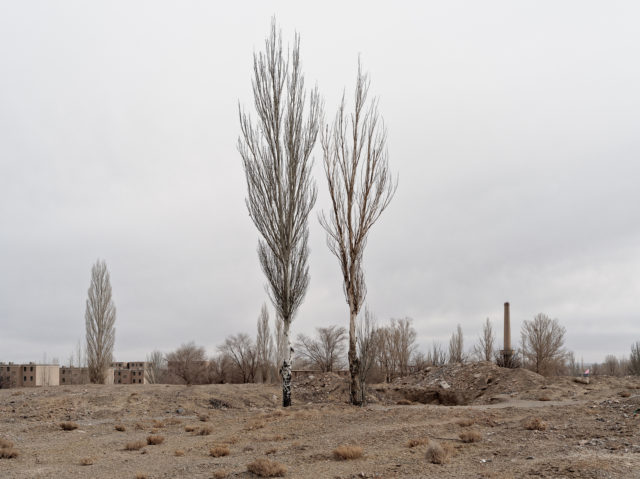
{"type": "Point", "coordinates": [507, 328]}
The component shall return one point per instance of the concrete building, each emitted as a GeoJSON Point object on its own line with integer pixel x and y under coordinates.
{"type": "Point", "coordinates": [74, 375]}
{"type": "Point", "coordinates": [28, 375]}
{"type": "Point", "coordinates": [130, 373]}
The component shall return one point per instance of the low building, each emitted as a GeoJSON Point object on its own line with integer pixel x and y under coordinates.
{"type": "Point", "coordinates": [130, 373]}
{"type": "Point", "coordinates": [73, 375]}
{"type": "Point", "coordinates": [28, 375]}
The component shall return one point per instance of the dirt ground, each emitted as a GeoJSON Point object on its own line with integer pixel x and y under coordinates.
{"type": "Point", "coordinates": [589, 430]}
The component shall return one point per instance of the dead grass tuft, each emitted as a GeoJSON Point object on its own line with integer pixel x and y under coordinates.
{"type": "Point", "coordinates": [120, 427]}
{"type": "Point", "coordinates": [266, 468]}
{"type": "Point", "coordinates": [158, 424]}
{"type": "Point", "coordinates": [86, 461]}
{"type": "Point", "coordinates": [141, 475]}
{"type": "Point", "coordinates": [172, 421]}
{"type": "Point", "coordinates": [404, 402]}
{"type": "Point", "coordinates": [220, 474]}
{"type": "Point", "coordinates": [471, 435]}
{"type": "Point", "coordinates": [419, 441]}
{"type": "Point", "coordinates": [219, 451]}
{"type": "Point", "coordinates": [233, 440]}
{"type": "Point", "coordinates": [465, 422]}
{"type": "Point", "coordinates": [439, 454]}
{"type": "Point", "coordinates": [203, 417]}
{"type": "Point", "coordinates": [134, 446]}
{"type": "Point", "coordinates": [190, 428]}
{"type": "Point", "coordinates": [273, 437]}
{"type": "Point", "coordinates": [205, 431]}
{"type": "Point", "coordinates": [8, 453]}
{"type": "Point", "coordinates": [624, 394]}
{"type": "Point", "coordinates": [535, 424]}
{"type": "Point", "coordinates": [255, 425]}
{"type": "Point", "coordinates": [544, 398]}
{"type": "Point", "coordinates": [155, 440]}
{"type": "Point", "coordinates": [273, 450]}
{"type": "Point", "coordinates": [347, 452]}
{"type": "Point", "coordinates": [179, 452]}
{"type": "Point", "coordinates": [68, 426]}
{"type": "Point", "coordinates": [5, 444]}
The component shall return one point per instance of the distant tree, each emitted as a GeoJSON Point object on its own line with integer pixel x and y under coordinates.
{"type": "Point", "coordinates": [483, 351]}
{"type": "Point", "coordinates": [611, 365]}
{"type": "Point", "coordinates": [456, 346]}
{"type": "Point", "coordinates": [361, 187]}
{"type": "Point", "coordinates": [396, 345]}
{"type": "Point", "coordinates": [264, 345]}
{"type": "Point", "coordinates": [366, 335]}
{"type": "Point", "coordinates": [189, 363]}
{"type": "Point", "coordinates": [276, 152]}
{"type": "Point", "coordinates": [326, 350]}
{"type": "Point", "coordinates": [634, 359]}
{"type": "Point", "coordinates": [100, 318]}
{"type": "Point", "coordinates": [241, 351]}
{"type": "Point", "coordinates": [543, 344]}
{"type": "Point", "coordinates": [437, 356]}
{"type": "Point", "coordinates": [156, 367]}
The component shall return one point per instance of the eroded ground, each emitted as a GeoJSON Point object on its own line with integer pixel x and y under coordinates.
{"type": "Point", "coordinates": [592, 430]}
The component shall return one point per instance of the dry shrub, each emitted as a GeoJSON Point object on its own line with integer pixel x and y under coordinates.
{"type": "Point", "coordinates": [346, 452]}
{"type": "Point", "coordinates": [68, 426]}
{"type": "Point", "coordinates": [154, 430]}
{"type": "Point", "coordinates": [465, 422]}
{"type": "Point", "coordinates": [404, 402]}
{"type": "Point", "coordinates": [273, 450]}
{"type": "Point", "coordinates": [8, 453]}
{"type": "Point", "coordinates": [139, 425]}
{"type": "Point", "coordinates": [120, 427]}
{"type": "Point", "coordinates": [544, 398]}
{"type": "Point", "coordinates": [471, 435]}
{"type": "Point", "coordinates": [255, 425]}
{"type": "Point", "coordinates": [203, 418]}
{"type": "Point", "coordinates": [624, 394]}
{"type": "Point", "coordinates": [155, 440]}
{"type": "Point", "coordinates": [190, 428]}
{"type": "Point", "coordinates": [205, 431]}
{"type": "Point", "coordinates": [233, 440]}
{"type": "Point", "coordinates": [439, 454]}
{"type": "Point", "coordinates": [219, 451]}
{"type": "Point", "coordinates": [266, 468]}
{"type": "Point", "coordinates": [4, 444]}
{"type": "Point", "coordinates": [273, 437]}
{"type": "Point", "coordinates": [158, 424]}
{"type": "Point", "coordinates": [220, 474]}
{"type": "Point", "coordinates": [86, 461]}
{"type": "Point", "coordinates": [419, 441]}
{"type": "Point", "coordinates": [248, 448]}
{"type": "Point", "coordinates": [134, 446]}
{"type": "Point", "coordinates": [179, 452]}
{"type": "Point", "coordinates": [535, 424]}
{"type": "Point", "coordinates": [141, 475]}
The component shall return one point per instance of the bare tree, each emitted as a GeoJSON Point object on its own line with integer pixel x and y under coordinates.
{"type": "Point", "coordinates": [437, 356]}
{"type": "Point", "coordinates": [264, 345]}
{"type": "Point", "coordinates": [634, 359]}
{"type": "Point", "coordinates": [611, 365]}
{"type": "Point", "coordinates": [326, 350]}
{"type": "Point", "coordinates": [456, 346]}
{"type": "Point", "coordinates": [281, 347]}
{"type": "Point", "coordinates": [543, 344]}
{"type": "Point", "coordinates": [483, 351]}
{"type": "Point", "coordinates": [367, 348]}
{"type": "Point", "coordinates": [396, 344]}
{"type": "Point", "coordinates": [100, 317]}
{"type": "Point", "coordinates": [242, 353]}
{"type": "Point", "coordinates": [188, 363]}
{"type": "Point", "coordinates": [156, 367]}
{"type": "Point", "coordinates": [361, 187]}
{"type": "Point", "coordinates": [276, 151]}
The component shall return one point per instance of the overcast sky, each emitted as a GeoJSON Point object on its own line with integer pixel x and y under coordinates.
{"type": "Point", "coordinates": [513, 127]}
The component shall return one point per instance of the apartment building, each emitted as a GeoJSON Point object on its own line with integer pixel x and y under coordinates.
{"type": "Point", "coordinates": [73, 375]}
{"type": "Point", "coordinates": [28, 375]}
{"type": "Point", "coordinates": [130, 373]}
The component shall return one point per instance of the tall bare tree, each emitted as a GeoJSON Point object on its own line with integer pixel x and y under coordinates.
{"type": "Point", "coordinates": [483, 351]}
{"type": "Point", "coordinates": [100, 318]}
{"type": "Point", "coordinates": [276, 154]}
{"type": "Point", "coordinates": [366, 334]}
{"type": "Point", "coordinates": [634, 359]}
{"type": "Point", "coordinates": [326, 350]}
{"type": "Point", "coordinates": [239, 348]}
{"type": "Point", "coordinates": [264, 345]}
{"type": "Point", "coordinates": [361, 188]}
{"type": "Point", "coordinates": [543, 344]}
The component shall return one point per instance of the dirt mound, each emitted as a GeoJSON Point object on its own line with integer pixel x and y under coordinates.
{"type": "Point", "coordinates": [321, 387]}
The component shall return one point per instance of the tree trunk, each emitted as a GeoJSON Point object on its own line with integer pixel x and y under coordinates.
{"type": "Point", "coordinates": [355, 391]}
{"type": "Point", "coordinates": [285, 371]}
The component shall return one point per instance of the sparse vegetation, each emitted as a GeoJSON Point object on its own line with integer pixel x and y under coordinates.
{"type": "Point", "coordinates": [7, 450]}
{"type": "Point", "coordinates": [155, 440]}
{"type": "Point", "coordinates": [535, 424]}
{"type": "Point", "coordinates": [439, 454]}
{"type": "Point", "coordinates": [419, 441]}
{"type": "Point", "coordinates": [404, 402]}
{"type": "Point", "coordinates": [178, 452]}
{"type": "Point", "coordinates": [219, 451]}
{"type": "Point", "coordinates": [220, 474]}
{"type": "Point", "coordinates": [141, 475]}
{"type": "Point", "coordinates": [347, 452]}
{"type": "Point", "coordinates": [120, 427]}
{"type": "Point", "coordinates": [68, 426]}
{"type": "Point", "coordinates": [134, 445]}
{"type": "Point", "coordinates": [267, 468]}
{"type": "Point", "coordinates": [205, 431]}
{"type": "Point", "coordinates": [86, 461]}
{"type": "Point", "coordinates": [465, 422]}
{"type": "Point", "coordinates": [190, 428]}
{"type": "Point", "coordinates": [470, 435]}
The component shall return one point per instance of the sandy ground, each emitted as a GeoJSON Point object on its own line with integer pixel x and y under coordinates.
{"type": "Point", "coordinates": [592, 431]}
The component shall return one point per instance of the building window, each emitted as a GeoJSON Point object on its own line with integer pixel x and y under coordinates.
{"type": "Point", "coordinates": [63, 379]}
{"type": "Point", "coordinates": [31, 368]}
{"type": "Point", "coordinates": [25, 378]}
{"type": "Point", "coordinates": [30, 378]}
{"type": "Point", "coordinates": [24, 368]}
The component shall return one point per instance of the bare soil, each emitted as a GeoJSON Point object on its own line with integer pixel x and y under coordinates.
{"type": "Point", "coordinates": [590, 430]}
